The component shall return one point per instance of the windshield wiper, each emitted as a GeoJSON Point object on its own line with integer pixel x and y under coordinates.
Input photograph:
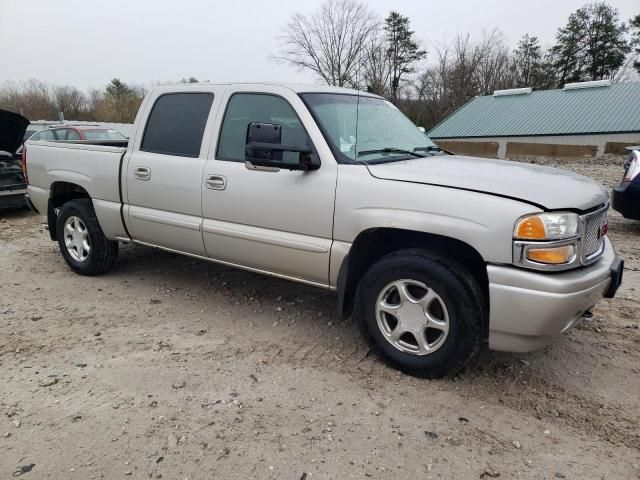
{"type": "Point", "coordinates": [390, 150]}
{"type": "Point", "coordinates": [430, 149]}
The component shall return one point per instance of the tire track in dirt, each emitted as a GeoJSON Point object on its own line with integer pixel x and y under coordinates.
{"type": "Point", "coordinates": [529, 394]}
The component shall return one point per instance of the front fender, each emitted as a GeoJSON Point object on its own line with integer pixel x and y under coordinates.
{"type": "Point", "coordinates": [483, 221]}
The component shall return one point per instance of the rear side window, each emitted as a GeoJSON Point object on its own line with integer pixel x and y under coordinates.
{"type": "Point", "coordinates": [176, 124]}
{"type": "Point", "coordinates": [73, 135]}
{"type": "Point", "coordinates": [62, 134]}
{"type": "Point", "coordinates": [103, 135]}
{"type": "Point", "coordinates": [44, 135]}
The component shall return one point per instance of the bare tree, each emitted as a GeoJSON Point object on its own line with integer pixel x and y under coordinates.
{"type": "Point", "coordinates": [463, 70]}
{"type": "Point", "coordinates": [31, 98]}
{"type": "Point", "coordinates": [376, 67]}
{"type": "Point", "coordinates": [331, 41]}
{"type": "Point", "coordinates": [70, 101]}
{"type": "Point", "coordinates": [494, 69]}
{"type": "Point", "coordinates": [459, 71]}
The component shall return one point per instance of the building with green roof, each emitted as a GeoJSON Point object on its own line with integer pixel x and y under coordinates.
{"type": "Point", "coordinates": [579, 120]}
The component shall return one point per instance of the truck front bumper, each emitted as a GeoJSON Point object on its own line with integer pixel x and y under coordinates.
{"type": "Point", "coordinates": [528, 309]}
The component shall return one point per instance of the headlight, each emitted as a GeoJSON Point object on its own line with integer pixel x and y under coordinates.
{"type": "Point", "coordinates": [547, 226]}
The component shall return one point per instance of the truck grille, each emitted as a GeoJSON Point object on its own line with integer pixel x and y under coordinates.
{"type": "Point", "coordinates": [592, 237]}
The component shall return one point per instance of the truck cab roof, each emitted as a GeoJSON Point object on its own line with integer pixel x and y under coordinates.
{"type": "Point", "coordinates": [295, 87]}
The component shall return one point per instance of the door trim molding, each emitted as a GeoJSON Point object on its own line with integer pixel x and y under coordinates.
{"type": "Point", "coordinates": [241, 267]}
{"type": "Point", "coordinates": [263, 235]}
{"type": "Point", "coordinates": [165, 221]}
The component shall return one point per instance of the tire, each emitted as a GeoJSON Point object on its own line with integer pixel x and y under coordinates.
{"type": "Point", "coordinates": [436, 292]}
{"type": "Point", "coordinates": [89, 251]}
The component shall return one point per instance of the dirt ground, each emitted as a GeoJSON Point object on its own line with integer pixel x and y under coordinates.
{"type": "Point", "coordinates": [173, 368]}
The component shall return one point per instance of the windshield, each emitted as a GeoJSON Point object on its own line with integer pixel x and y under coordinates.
{"type": "Point", "coordinates": [368, 129]}
{"type": "Point", "coordinates": [103, 135]}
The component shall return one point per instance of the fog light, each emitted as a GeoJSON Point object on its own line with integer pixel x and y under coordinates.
{"type": "Point", "coordinates": [552, 256]}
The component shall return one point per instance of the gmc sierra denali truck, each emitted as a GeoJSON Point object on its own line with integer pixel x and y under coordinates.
{"type": "Point", "coordinates": [433, 253]}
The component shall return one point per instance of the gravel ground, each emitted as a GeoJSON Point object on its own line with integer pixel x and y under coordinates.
{"type": "Point", "coordinates": [173, 368]}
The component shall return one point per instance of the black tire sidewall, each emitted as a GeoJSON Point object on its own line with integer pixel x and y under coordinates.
{"type": "Point", "coordinates": [98, 242]}
{"type": "Point", "coordinates": [460, 297]}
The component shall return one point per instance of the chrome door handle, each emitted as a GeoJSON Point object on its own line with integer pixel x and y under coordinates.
{"type": "Point", "coordinates": [142, 173]}
{"type": "Point", "coordinates": [216, 182]}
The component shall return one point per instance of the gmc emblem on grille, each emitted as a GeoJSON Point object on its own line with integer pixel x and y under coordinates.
{"type": "Point", "coordinates": [602, 231]}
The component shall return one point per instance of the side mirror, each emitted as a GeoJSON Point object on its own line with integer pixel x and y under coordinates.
{"type": "Point", "coordinates": [264, 148]}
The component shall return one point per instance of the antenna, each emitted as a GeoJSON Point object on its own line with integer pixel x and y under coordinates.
{"type": "Point", "coordinates": [355, 149]}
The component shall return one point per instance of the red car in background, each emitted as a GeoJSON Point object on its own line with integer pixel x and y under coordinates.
{"type": "Point", "coordinates": [78, 132]}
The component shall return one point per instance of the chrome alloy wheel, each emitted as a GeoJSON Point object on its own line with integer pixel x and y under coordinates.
{"type": "Point", "coordinates": [76, 239]}
{"type": "Point", "coordinates": [412, 317]}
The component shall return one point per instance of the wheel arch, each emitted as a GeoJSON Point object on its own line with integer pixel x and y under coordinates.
{"type": "Point", "coordinates": [60, 193]}
{"type": "Point", "coordinates": [373, 244]}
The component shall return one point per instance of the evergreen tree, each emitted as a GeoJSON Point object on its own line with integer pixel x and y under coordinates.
{"type": "Point", "coordinates": [591, 46]}
{"type": "Point", "coordinates": [606, 45]}
{"type": "Point", "coordinates": [568, 51]}
{"type": "Point", "coordinates": [402, 49]}
{"type": "Point", "coordinates": [121, 100]}
{"type": "Point", "coordinates": [526, 61]}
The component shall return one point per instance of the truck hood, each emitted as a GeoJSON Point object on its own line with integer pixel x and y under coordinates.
{"type": "Point", "coordinates": [12, 128]}
{"type": "Point", "coordinates": [544, 187]}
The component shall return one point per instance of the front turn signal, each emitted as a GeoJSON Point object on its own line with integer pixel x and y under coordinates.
{"type": "Point", "coordinates": [552, 256]}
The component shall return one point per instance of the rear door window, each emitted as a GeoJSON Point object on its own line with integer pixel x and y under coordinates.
{"type": "Point", "coordinates": [176, 124]}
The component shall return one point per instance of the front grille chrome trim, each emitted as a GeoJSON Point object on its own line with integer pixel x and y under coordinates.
{"type": "Point", "coordinates": [591, 239]}
{"type": "Point", "coordinates": [587, 250]}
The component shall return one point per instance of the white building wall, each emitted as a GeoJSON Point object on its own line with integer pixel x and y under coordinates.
{"type": "Point", "coordinates": [599, 140]}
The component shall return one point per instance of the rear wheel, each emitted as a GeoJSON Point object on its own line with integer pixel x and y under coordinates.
{"type": "Point", "coordinates": [81, 240]}
{"type": "Point", "coordinates": [421, 312]}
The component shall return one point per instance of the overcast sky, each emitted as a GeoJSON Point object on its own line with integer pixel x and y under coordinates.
{"type": "Point", "coordinates": [86, 43]}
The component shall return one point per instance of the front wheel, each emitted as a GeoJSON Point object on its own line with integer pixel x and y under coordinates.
{"type": "Point", "coordinates": [81, 240]}
{"type": "Point", "coordinates": [422, 312]}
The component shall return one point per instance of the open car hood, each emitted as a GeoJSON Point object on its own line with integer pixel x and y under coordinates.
{"type": "Point", "coordinates": [12, 128]}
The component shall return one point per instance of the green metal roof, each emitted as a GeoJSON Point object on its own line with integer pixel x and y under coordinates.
{"type": "Point", "coordinates": [610, 109]}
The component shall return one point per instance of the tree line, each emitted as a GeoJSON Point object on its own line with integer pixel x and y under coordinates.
{"type": "Point", "coordinates": [36, 100]}
{"type": "Point", "coordinates": [345, 44]}
{"type": "Point", "coordinates": [117, 102]}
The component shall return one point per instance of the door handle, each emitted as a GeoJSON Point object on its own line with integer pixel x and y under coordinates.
{"type": "Point", "coordinates": [216, 182]}
{"type": "Point", "coordinates": [142, 173]}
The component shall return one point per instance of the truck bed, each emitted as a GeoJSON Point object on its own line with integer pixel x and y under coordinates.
{"type": "Point", "coordinates": [94, 167]}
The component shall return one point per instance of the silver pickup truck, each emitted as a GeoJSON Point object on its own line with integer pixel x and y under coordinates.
{"type": "Point", "coordinates": [433, 254]}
